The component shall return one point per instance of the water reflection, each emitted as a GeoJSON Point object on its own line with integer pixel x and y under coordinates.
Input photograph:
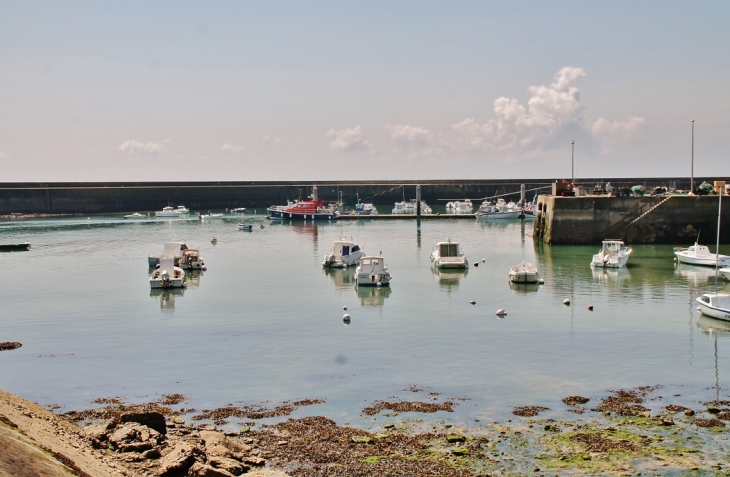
{"type": "Point", "coordinates": [192, 278]}
{"type": "Point", "coordinates": [524, 288]}
{"type": "Point", "coordinates": [373, 296]}
{"type": "Point", "coordinates": [167, 298]}
{"type": "Point", "coordinates": [343, 278]}
{"type": "Point", "coordinates": [695, 275]}
{"type": "Point", "coordinates": [449, 278]}
{"type": "Point", "coordinates": [611, 276]}
{"type": "Point", "coordinates": [712, 326]}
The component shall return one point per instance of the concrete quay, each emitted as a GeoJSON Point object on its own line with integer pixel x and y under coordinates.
{"type": "Point", "coordinates": [672, 219]}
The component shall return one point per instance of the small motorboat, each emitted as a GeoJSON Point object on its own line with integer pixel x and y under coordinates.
{"type": "Point", "coordinates": [247, 227]}
{"type": "Point", "coordinates": [174, 249]}
{"type": "Point", "coordinates": [343, 254]}
{"type": "Point", "coordinates": [238, 210]}
{"type": "Point", "coordinates": [372, 272]}
{"type": "Point", "coordinates": [716, 305]}
{"type": "Point", "coordinates": [313, 208]}
{"type": "Point", "coordinates": [448, 255]}
{"type": "Point", "coordinates": [15, 247]}
{"type": "Point", "coordinates": [700, 255]}
{"type": "Point", "coordinates": [500, 210]}
{"type": "Point", "coordinates": [209, 215]}
{"type": "Point", "coordinates": [167, 275]}
{"type": "Point", "coordinates": [613, 255]}
{"type": "Point", "coordinates": [725, 272]}
{"type": "Point", "coordinates": [169, 212]}
{"type": "Point", "coordinates": [191, 260]}
{"type": "Point", "coordinates": [135, 216]}
{"type": "Point", "coordinates": [524, 273]}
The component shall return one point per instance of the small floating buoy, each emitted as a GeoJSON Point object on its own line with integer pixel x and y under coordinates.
{"type": "Point", "coordinates": [88, 218]}
{"type": "Point", "coordinates": [346, 319]}
{"type": "Point", "coordinates": [566, 302]}
{"type": "Point", "coordinates": [541, 281]}
{"type": "Point", "coordinates": [378, 284]}
{"type": "Point", "coordinates": [699, 309]}
{"type": "Point", "coordinates": [476, 264]}
{"type": "Point", "coordinates": [484, 260]}
{"type": "Point", "coordinates": [344, 307]}
{"type": "Point", "coordinates": [590, 307]}
{"type": "Point", "coordinates": [262, 226]}
{"type": "Point", "coordinates": [214, 240]}
{"type": "Point", "coordinates": [473, 302]}
{"type": "Point", "coordinates": [501, 312]}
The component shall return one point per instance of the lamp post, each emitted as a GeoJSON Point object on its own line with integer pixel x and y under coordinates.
{"type": "Point", "coordinates": [692, 170]}
{"type": "Point", "coordinates": [572, 163]}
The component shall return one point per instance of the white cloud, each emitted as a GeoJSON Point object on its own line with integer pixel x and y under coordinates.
{"type": "Point", "coordinates": [408, 135]}
{"type": "Point", "coordinates": [610, 132]}
{"type": "Point", "coordinates": [348, 140]}
{"type": "Point", "coordinates": [549, 109]}
{"type": "Point", "coordinates": [4, 155]}
{"type": "Point", "coordinates": [134, 147]}
{"type": "Point", "coordinates": [271, 140]}
{"type": "Point", "coordinates": [231, 148]}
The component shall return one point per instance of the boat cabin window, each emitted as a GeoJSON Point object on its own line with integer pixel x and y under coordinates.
{"type": "Point", "coordinates": [345, 250]}
{"type": "Point", "coordinates": [449, 250]}
{"type": "Point", "coordinates": [355, 248]}
{"type": "Point", "coordinates": [375, 261]}
{"type": "Point", "coordinates": [366, 261]}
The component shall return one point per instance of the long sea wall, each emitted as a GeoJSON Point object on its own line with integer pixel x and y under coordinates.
{"type": "Point", "coordinates": [652, 219]}
{"type": "Point", "coordinates": [113, 197]}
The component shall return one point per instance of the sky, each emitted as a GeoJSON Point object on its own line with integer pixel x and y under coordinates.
{"type": "Point", "coordinates": [354, 90]}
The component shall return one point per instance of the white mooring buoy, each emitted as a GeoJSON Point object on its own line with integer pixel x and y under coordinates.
{"type": "Point", "coordinates": [346, 319]}
{"type": "Point", "coordinates": [566, 302]}
{"type": "Point", "coordinates": [501, 312]}
{"type": "Point", "coordinates": [344, 307]}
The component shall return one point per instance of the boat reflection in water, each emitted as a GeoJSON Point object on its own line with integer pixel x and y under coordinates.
{"type": "Point", "coordinates": [343, 278]}
{"type": "Point", "coordinates": [523, 288]}
{"type": "Point", "coordinates": [611, 276]}
{"type": "Point", "coordinates": [373, 296]}
{"type": "Point", "coordinates": [449, 278]}
{"type": "Point", "coordinates": [695, 275]}
{"type": "Point", "coordinates": [192, 278]}
{"type": "Point", "coordinates": [166, 296]}
{"type": "Point", "coordinates": [711, 326]}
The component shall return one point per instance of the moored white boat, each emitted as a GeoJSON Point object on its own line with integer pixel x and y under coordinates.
{"type": "Point", "coordinates": [245, 226]}
{"type": "Point", "coordinates": [700, 255]}
{"type": "Point", "coordinates": [524, 273]}
{"type": "Point", "coordinates": [725, 273]}
{"type": "Point", "coordinates": [344, 253]}
{"type": "Point", "coordinates": [176, 250]}
{"type": "Point", "coordinates": [209, 216]}
{"type": "Point", "coordinates": [167, 275]}
{"type": "Point", "coordinates": [448, 255]}
{"type": "Point", "coordinates": [191, 260]}
{"type": "Point", "coordinates": [500, 210]}
{"type": "Point", "coordinates": [400, 208]}
{"type": "Point", "coordinates": [135, 216]}
{"type": "Point", "coordinates": [716, 305]}
{"type": "Point", "coordinates": [169, 212]}
{"type": "Point", "coordinates": [238, 210]}
{"type": "Point", "coordinates": [372, 271]}
{"type": "Point", "coordinates": [613, 255]}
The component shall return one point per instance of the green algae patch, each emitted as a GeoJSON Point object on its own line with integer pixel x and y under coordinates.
{"type": "Point", "coordinates": [362, 439]}
{"type": "Point", "coordinates": [373, 459]}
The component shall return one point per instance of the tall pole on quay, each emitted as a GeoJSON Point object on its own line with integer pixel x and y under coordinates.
{"type": "Point", "coordinates": [692, 171]}
{"type": "Point", "coordinates": [572, 163]}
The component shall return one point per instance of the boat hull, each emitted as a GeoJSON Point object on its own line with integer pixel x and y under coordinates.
{"type": "Point", "coordinates": [725, 273]}
{"type": "Point", "coordinates": [276, 214]}
{"type": "Point", "coordinates": [499, 215]}
{"type": "Point", "coordinates": [373, 280]}
{"type": "Point", "coordinates": [705, 262]}
{"type": "Point", "coordinates": [524, 277]}
{"type": "Point", "coordinates": [719, 312]}
{"type": "Point", "coordinates": [156, 284]}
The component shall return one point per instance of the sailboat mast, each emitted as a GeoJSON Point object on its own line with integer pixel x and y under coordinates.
{"type": "Point", "coordinates": [717, 249]}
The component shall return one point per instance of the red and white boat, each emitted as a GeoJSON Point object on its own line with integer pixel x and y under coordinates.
{"type": "Point", "coordinates": [313, 208]}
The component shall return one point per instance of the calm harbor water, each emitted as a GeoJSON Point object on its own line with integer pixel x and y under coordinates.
{"type": "Point", "coordinates": [264, 322]}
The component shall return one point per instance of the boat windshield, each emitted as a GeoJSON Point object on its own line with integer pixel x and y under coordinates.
{"type": "Point", "coordinates": [449, 250]}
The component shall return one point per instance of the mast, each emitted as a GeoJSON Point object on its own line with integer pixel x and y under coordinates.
{"type": "Point", "coordinates": [717, 247]}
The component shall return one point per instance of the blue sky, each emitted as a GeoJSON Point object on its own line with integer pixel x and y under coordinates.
{"type": "Point", "coordinates": [274, 90]}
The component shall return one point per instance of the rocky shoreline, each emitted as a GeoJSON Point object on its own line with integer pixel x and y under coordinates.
{"type": "Point", "coordinates": [619, 435]}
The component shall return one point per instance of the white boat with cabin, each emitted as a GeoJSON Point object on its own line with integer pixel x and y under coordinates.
{"type": "Point", "coordinates": [716, 305]}
{"type": "Point", "coordinates": [400, 208]}
{"type": "Point", "coordinates": [170, 212]}
{"type": "Point", "coordinates": [613, 255]}
{"type": "Point", "coordinates": [500, 210]}
{"type": "Point", "coordinates": [448, 255]}
{"type": "Point", "coordinates": [344, 253]}
{"type": "Point", "coordinates": [700, 255]}
{"type": "Point", "coordinates": [191, 260]}
{"type": "Point", "coordinates": [725, 272]}
{"type": "Point", "coordinates": [135, 216]}
{"type": "Point", "coordinates": [524, 273]}
{"type": "Point", "coordinates": [167, 275]}
{"type": "Point", "coordinates": [372, 272]}
{"type": "Point", "coordinates": [176, 250]}
{"type": "Point", "coordinates": [209, 216]}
